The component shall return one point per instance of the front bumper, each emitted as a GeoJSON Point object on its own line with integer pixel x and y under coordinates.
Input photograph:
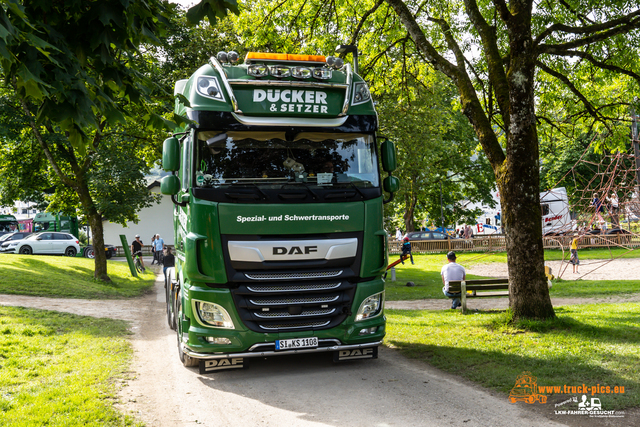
{"type": "Point", "coordinates": [254, 351]}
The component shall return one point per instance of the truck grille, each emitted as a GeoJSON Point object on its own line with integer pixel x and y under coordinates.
{"type": "Point", "coordinates": [289, 306]}
{"type": "Point", "coordinates": [294, 276]}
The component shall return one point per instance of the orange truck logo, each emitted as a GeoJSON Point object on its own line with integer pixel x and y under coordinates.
{"type": "Point", "coordinates": [526, 389]}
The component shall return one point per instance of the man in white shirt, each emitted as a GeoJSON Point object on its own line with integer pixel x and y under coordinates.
{"type": "Point", "coordinates": [452, 271]}
{"type": "Point", "coordinates": [398, 234]}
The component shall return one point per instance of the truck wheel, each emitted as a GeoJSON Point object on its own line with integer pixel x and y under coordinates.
{"type": "Point", "coordinates": [26, 250]}
{"type": "Point", "coordinates": [186, 360]}
{"type": "Point", "coordinates": [89, 253]}
{"type": "Point", "coordinates": [170, 295]}
{"type": "Point", "coordinates": [109, 254]}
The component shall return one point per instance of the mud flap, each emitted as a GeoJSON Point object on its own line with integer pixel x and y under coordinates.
{"type": "Point", "coordinates": [358, 353]}
{"type": "Point", "coordinates": [214, 365]}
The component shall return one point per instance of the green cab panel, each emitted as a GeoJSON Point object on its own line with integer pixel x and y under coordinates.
{"type": "Point", "coordinates": [291, 219]}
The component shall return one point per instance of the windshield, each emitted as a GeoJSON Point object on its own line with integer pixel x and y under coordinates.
{"type": "Point", "coordinates": [6, 226]}
{"type": "Point", "coordinates": [270, 160]}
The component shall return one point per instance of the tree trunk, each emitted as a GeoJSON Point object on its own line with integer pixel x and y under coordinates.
{"type": "Point", "coordinates": [95, 222]}
{"type": "Point", "coordinates": [408, 214]}
{"type": "Point", "coordinates": [519, 184]}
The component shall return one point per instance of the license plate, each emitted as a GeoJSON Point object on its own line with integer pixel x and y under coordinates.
{"type": "Point", "coordinates": [297, 343]}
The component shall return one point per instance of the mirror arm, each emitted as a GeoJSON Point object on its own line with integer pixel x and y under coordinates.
{"type": "Point", "coordinates": [176, 202]}
{"type": "Point", "coordinates": [385, 201]}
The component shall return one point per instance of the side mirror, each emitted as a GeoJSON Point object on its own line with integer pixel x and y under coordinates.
{"type": "Point", "coordinates": [391, 184]}
{"type": "Point", "coordinates": [170, 185]}
{"type": "Point", "coordinates": [171, 154]}
{"type": "Point", "coordinates": [388, 154]}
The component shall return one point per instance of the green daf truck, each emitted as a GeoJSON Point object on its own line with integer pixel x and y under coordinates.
{"type": "Point", "coordinates": [280, 245]}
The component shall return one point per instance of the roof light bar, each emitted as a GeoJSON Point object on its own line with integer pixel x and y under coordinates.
{"type": "Point", "coordinates": [260, 56]}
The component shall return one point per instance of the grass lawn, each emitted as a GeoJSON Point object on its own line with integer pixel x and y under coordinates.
{"type": "Point", "coordinates": [586, 344]}
{"type": "Point", "coordinates": [60, 369]}
{"type": "Point", "coordinates": [68, 277]}
{"type": "Point", "coordinates": [425, 274]}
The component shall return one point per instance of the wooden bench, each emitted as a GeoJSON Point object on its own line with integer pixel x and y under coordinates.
{"type": "Point", "coordinates": [480, 288]}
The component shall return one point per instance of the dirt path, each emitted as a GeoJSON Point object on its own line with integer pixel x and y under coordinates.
{"type": "Point", "coordinates": [293, 391]}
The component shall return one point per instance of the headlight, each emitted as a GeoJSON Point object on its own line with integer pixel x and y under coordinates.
{"type": "Point", "coordinates": [214, 315]}
{"type": "Point", "coordinates": [209, 87]}
{"type": "Point", "coordinates": [361, 93]}
{"type": "Point", "coordinates": [370, 307]}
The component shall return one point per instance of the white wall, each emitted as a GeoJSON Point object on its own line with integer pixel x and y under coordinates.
{"type": "Point", "coordinates": [157, 219]}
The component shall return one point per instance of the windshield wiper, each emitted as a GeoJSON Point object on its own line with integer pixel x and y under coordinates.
{"type": "Point", "coordinates": [351, 184]}
{"type": "Point", "coordinates": [253, 185]}
{"type": "Point", "coordinates": [305, 185]}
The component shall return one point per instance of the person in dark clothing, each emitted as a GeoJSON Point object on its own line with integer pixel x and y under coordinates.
{"type": "Point", "coordinates": [169, 261]}
{"type": "Point", "coordinates": [406, 250]}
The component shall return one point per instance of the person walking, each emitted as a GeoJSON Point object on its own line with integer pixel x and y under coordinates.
{"type": "Point", "coordinates": [153, 248]}
{"type": "Point", "coordinates": [158, 245]}
{"type": "Point", "coordinates": [574, 260]}
{"type": "Point", "coordinates": [398, 234]}
{"type": "Point", "coordinates": [169, 260]}
{"type": "Point", "coordinates": [452, 271]}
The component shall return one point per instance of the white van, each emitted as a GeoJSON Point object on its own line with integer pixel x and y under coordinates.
{"type": "Point", "coordinates": [554, 206]}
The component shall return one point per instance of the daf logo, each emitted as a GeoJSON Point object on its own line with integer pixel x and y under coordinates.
{"type": "Point", "coordinates": [294, 250]}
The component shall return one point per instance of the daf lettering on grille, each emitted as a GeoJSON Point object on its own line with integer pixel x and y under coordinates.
{"type": "Point", "coordinates": [294, 250]}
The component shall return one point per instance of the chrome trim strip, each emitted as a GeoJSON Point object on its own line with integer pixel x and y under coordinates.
{"type": "Point", "coordinates": [209, 356]}
{"type": "Point", "coordinates": [317, 325]}
{"type": "Point", "coordinates": [274, 301]}
{"type": "Point", "coordinates": [286, 315]}
{"type": "Point", "coordinates": [213, 61]}
{"type": "Point", "coordinates": [288, 83]}
{"type": "Point", "coordinates": [293, 276]}
{"type": "Point", "coordinates": [289, 121]}
{"type": "Point", "coordinates": [297, 288]}
{"type": "Point", "coordinates": [347, 93]}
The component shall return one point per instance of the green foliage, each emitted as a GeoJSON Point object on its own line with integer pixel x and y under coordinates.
{"type": "Point", "coordinates": [212, 9]}
{"type": "Point", "coordinates": [60, 369]}
{"type": "Point", "coordinates": [585, 344]}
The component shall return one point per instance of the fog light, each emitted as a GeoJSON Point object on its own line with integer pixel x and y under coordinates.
{"type": "Point", "coordinates": [322, 73]}
{"type": "Point", "coordinates": [257, 70]}
{"type": "Point", "coordinates": [218, 340]}
{"type": "Point", "coordinates": [368, 331]}
{"type": "Point", "coordinates": [280, 71]}
{"type": "Point", "coordinates": [301, 72]}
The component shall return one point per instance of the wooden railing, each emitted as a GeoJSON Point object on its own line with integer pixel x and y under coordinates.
{"type": "Point", "coordinates": [496, 243]}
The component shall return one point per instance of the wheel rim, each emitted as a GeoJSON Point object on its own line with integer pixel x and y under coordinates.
{"type": "Point", "coordinates": [70, 252]}
{"type": "Point", "coordinates": [91, 254]}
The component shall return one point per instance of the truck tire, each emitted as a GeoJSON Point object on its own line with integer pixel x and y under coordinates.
{"type": "Point", "coordinates": [186, 360]}
{"type": "Point", "coordinates": [170, 295]}
{"type": "Point", "coordinates": [89, 253]}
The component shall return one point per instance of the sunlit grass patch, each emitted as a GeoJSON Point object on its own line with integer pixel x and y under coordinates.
{"type": "Point", "coordinates": [60, 369]}
{"type": "Point", "coordinates": [68, 277]}
{"type": "Point", "coordinates": [585, 344]}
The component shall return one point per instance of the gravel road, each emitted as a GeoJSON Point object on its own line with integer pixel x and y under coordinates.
{"type": "Point", "coordinates": [293, 391]}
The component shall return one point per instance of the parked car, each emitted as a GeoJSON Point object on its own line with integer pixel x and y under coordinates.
{"type": "Point", "coordinates": [12, 237]}
{"type": "Point", "coordinates": [428, 235]}
{"type": "Point", "coordinates": [46, 243]}
{"type": "Point", "coordinates": [109, 250]}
